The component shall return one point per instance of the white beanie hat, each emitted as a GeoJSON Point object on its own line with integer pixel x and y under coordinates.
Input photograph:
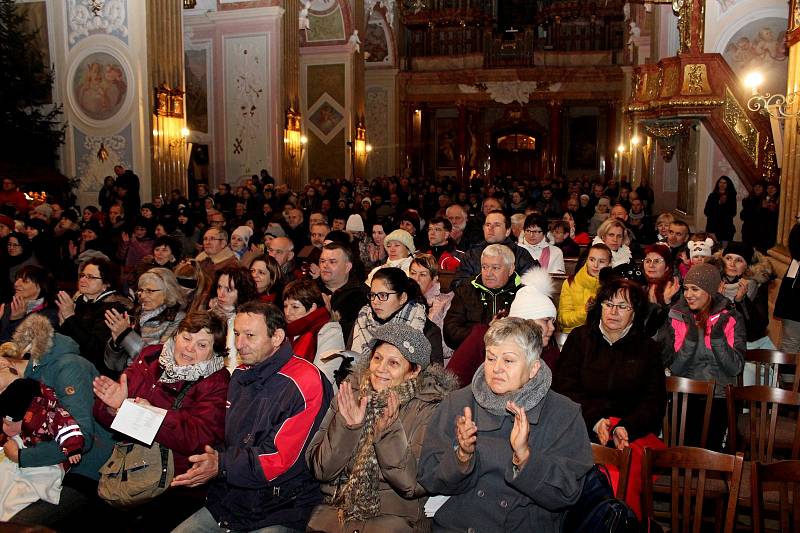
{"type": "Point", "coordinates": [533, 300]}
{"type": "Point", "coordinates": [354, 224]}
{"type": "Point", "coordinates": [700, 248]}
{"type": "Point", "coordinates": [401, 236]}
{"type": "Point", "coordinates": [244, 232]}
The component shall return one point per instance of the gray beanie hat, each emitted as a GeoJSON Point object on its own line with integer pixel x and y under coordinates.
{"type": "Point", "coordinates": [411, 342]}
{"type": "Point", "coordinates": [705, 276]}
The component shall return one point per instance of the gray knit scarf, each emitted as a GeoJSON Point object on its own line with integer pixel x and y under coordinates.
{"type": "Point", "coordinates": [356, 494]}
{"type": "Point", "coordinates": [527, 397]}
{"type": "Point", "coordinates": [174, 373]}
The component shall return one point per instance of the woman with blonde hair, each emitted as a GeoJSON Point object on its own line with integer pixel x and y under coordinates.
{"type": "Point", "coordinates": [159, 310]}
{"type": "Point", "coordinates": [195, 283]}
{"type": "Point", "coordinates": [614, 234]}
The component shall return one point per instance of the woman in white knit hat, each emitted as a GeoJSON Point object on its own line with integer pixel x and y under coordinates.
{"type": "Point", "coordinates": [240, 240]}
{"type": "Point", "coordinates": [400, 249]}
{"type": "Point", "coordinates": [533, 302]}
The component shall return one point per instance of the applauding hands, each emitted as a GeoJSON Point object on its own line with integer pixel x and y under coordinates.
{"type": "Point", "coordinates": [467, 435]}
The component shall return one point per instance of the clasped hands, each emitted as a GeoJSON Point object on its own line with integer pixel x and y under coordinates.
{"type": "Point", "coordinates": [604, 434]}
{"type": "Point", "coordinates": [467, 435]}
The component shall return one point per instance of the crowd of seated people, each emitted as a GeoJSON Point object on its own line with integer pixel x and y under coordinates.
{"type": "Point", "coordinates": [344, 352]}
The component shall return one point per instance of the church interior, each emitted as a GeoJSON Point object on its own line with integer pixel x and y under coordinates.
{"type": "Point", "coordinates": [665, 95]}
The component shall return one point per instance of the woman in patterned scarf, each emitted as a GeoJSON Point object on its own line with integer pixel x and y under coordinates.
{"type": "Point", "coordinates": [192, 362]}
{"type": "Point", "coordinates": [367, 448]}
{"type": "Point", "coordinates": [395, 298]}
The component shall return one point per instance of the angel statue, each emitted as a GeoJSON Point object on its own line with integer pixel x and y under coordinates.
{"type": "Point", "coordinates": [304, 22]}
{"type": "Point", "coordinates": [355, 42]}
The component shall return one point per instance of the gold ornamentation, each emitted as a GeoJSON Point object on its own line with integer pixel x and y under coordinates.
{"type": "Point", "coordinates": [683, 8]}
{"type": "Point", "coordinates": [667, 151]}
{"type": "Point", "coordinates": [638, 83]}
{"type": "Point", "coordinates": [670, 85]}
{"type": "Point", "coordinates": [695, 79]}
{"type": "Point", "coordinates": [666, 130]}
{"type": "Point", "coordinates": [675, 102]}
{"type": "Point", "coordinates": [741, 126]}
{"type": "Point", "coordinates": [770, 171]}
{"type": "Point", "coordinates": [654, 84]}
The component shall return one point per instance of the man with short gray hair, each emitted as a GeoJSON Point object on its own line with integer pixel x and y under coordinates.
{"type": "Point", "coordinates": [496, 230]}
{"type": "Point", "coordinates": [216, 253]}
{"type": "Point", "coordinates": [487, 295]}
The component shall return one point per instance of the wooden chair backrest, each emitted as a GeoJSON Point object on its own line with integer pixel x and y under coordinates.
{"type": "Point", "coordinates": [569, 265]}
{"type": "Point", "coordinates": [763, 404]}
{"type": "Point", "coordinates": [445, 278]}
{"type": "Point", "coordinates": [603, 455]}
{"type": "Point", "coordinates": [678, 392]}
{"type": "Point", "coordinates": [787, 475]}
{"type": "Point", "coordinates": [686, 498]}
{"type": "Point", "coordinates": [768, 367]}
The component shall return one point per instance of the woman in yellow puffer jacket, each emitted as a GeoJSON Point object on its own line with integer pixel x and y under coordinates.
{"type": "Point", "coordinates": [579, 290]}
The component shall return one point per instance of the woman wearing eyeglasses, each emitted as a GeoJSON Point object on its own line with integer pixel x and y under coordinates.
{"type": "Point", "coordinates": [395, 298]}
{"type": "Point", "coordinates": [160, 308]}
{"type": "Point", "coordinates": [82, 316]}
{"type": "Point", "coordinates": [663, 287]}
{"type": "Point", "coordinates": [533, 239]}
{"type": "Point", "coordinates": [609, 366]}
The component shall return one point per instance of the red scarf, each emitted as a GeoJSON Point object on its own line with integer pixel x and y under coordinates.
{"type": "Point", "coordinates": [303, 332]}
{"type": "Point", "coordinates": [267, 298]}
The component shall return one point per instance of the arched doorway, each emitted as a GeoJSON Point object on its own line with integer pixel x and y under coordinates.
{"type": "Point", "coordinates": [517, 151]}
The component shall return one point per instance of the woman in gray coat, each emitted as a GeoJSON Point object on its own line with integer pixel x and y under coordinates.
{"type": "Point", "coordinates": [510, 453]}
{"type": "Point", "coordinates": [366, 450]}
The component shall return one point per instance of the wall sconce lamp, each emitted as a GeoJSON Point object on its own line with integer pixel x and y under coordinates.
{"type": "Point", "coordinates": [293, 138]}
{"type": "Point", "coordinates": [168, 102]}
{"type": "Point", "coordinates": [359, 147]}
{"type": "Point", "coordinates": [776, 106]}
{"type": "Point", "coordinates": [189, 4]}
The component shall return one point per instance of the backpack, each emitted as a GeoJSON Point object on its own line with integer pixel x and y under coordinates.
{"type": "Point", "coordinates": [597, 510]}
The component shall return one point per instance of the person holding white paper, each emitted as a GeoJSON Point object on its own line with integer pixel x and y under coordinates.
{"type": "Point", "coordinates": [193, 357]}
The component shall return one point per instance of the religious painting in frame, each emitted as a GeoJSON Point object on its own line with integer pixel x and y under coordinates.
{"type": "Point", "coordinates": [582, 152]}
{"type": "Point", "coordinates": [446, 142]}
{"type": "Point", "coordinates": [99, 86]}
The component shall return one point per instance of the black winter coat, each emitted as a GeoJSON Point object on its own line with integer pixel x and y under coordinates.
{"type": "Point", "coordinates": [473, 304]}
{"type": "Point", "coordinates": [787, 305]}
{"type": "Point", "coordinates": [623, 380]}
{"type": "Point", "coordinates": [88, 327]}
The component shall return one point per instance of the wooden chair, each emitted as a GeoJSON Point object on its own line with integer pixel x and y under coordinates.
{"type": "Point", "coordinates": [787, 475]}
{"type": "Point", "coordinates": [679, 390]}
{"type": "Point", "coordinates": [760, 426]}
{"type": "Point", "coordinates": [569, 265]}
{"type": "Point", "coordinates": [445, 279]}
{"type": "Point", "coordinates": [757, 431]}
{"type": "Point", "coordinates": [771, 366]}
{"type": "Point", "coordinates": [603, 455]}
{"type": "Point", "coordinates": [688, 467]}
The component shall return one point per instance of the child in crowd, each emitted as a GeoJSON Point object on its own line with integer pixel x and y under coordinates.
{"type": "Point", "coordinates": [701, 248]}
{"type": "Point", "coordinates": [32, 414]}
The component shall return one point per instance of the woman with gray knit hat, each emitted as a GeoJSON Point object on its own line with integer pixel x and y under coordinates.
{"type": "Point", "coordinates": [510, 452]}
{"type": "Point", "coordinates": [704, 337]}
{"type": "Point", "coordinates": [367, 449]}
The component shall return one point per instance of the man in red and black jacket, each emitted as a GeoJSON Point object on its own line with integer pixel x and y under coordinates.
{"type": "Point", "coordinates": [276, 402]}
{"type": "Point", "coordinates": [441, 246]}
